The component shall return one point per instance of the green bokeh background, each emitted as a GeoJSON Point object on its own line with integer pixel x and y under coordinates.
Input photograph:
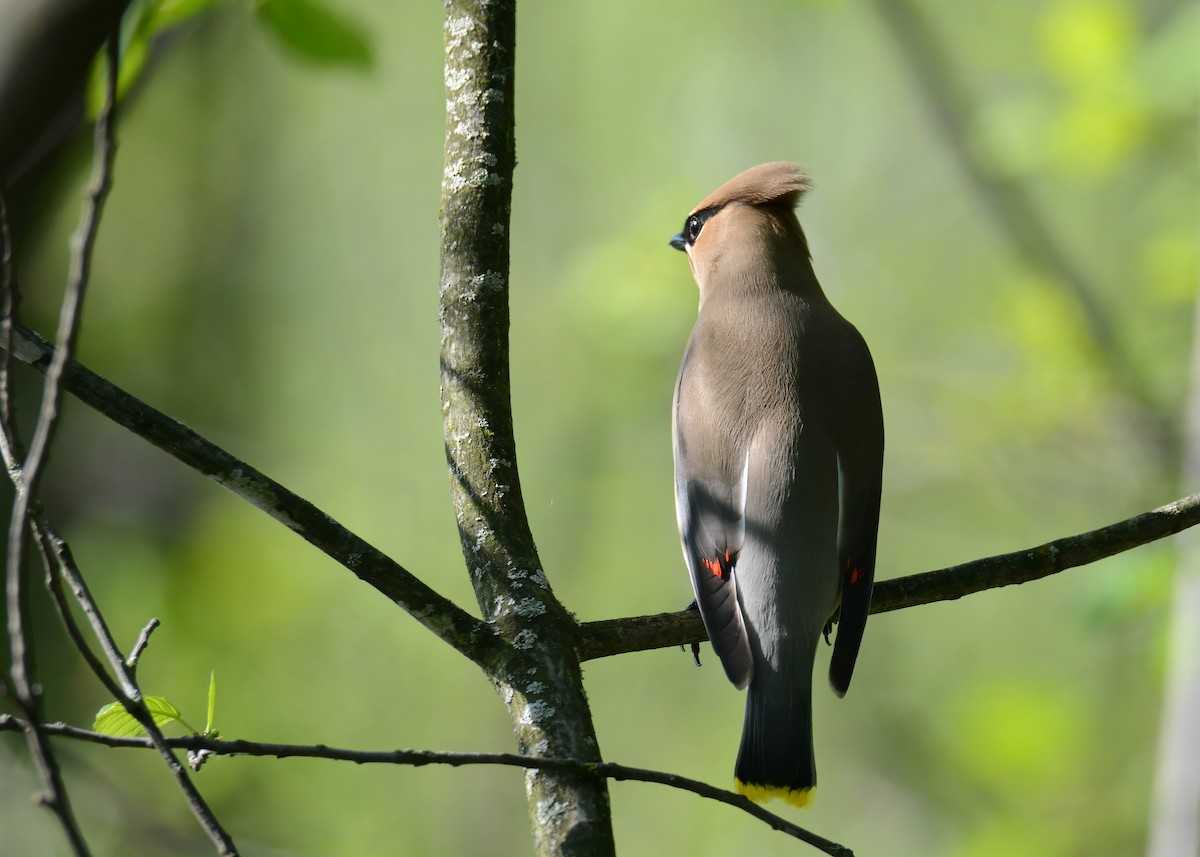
{"type": "Point", "coordinates": [267, 272]}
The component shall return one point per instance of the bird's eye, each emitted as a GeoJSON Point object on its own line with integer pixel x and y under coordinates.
{"type": "Point", "coordinates": [695, 224]}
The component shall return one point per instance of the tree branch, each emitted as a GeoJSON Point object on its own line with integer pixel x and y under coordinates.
{"type": "Point", "coordinates": [473, 638]}
{"type": "Point", "coordinates": [599, 638]}
{"type": "Point", "coordinates": [139, 647]}
{"type": "Point", "coordinates": [26, 474]}
{"type": "Point", "coordinates": [640, 633]}
{"type": "Point", "coordinates": [538, 676]}
{"type": "Point", "coordinates": [61, 565]}
{"type": "Point", "coordinates": [55, 554]}
{"type": "Point", "coordinates": [418, 758]}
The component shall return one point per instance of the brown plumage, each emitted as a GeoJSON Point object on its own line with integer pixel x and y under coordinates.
{"type": "Point", "coordinates": [778, 455]}
{"type": "Point", "coordinates": [778, 181]}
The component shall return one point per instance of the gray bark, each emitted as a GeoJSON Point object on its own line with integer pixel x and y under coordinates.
{"type": "Point", "coordinates": [537, 674]}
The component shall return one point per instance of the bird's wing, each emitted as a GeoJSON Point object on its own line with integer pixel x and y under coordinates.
{"type": "Point", "coordinates": [858, 433]}
{"type": "Point", "coordinates": [712, 526]}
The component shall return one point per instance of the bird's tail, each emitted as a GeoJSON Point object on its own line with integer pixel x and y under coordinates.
{"type": "Point", "coordinates": [776, 757]}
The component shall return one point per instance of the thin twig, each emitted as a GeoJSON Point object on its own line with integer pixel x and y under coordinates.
{"type": "Point", "coordinates": [139, 647]}
{"type": "Point", "coordinates": [83, 244]}
{"type": "Point", "coordinates": [42, 529]}
{"type": "Point", "coordinates": [447, 620]}
{"type": "Point", "coordinates": [1019, 219]}
{"type": "Point", "coordinates": [125, 688]}
{"type": "Point", "coordinates": [418, 758]}
{"type": "Point", "coordinates": [26, 479]}
{"type": "Point", "coordinates": [27, 475]}
{"type": "Point", "coordinates": [641, 633]}
{"type": "Point", "coordinates": [1035, 563]}
{"type": "Point", "coordinates": [59, 565]}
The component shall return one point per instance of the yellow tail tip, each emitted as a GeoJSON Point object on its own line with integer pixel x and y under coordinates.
{"type": "Point", "coordinates": [760, 794]}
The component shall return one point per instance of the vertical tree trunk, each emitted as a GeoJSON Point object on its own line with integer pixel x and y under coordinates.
{"type": "Point", "coordinates": [537, 674]}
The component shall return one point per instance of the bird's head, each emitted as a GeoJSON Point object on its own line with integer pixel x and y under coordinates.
{"type": "Point", "coordinates": [746, 225]}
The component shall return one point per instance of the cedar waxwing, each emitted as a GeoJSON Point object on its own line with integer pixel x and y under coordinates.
{"type": "Point", "coordinates": [778, 444]}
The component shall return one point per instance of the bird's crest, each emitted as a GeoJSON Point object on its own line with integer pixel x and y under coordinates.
{"type": "Point", "coordinates": [779, 181]}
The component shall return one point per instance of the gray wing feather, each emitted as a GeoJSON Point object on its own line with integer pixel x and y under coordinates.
{"type": "Point", "coordinates": [712, 528]}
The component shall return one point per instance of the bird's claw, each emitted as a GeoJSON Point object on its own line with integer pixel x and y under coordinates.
{"type": "Point", "coordinates": [695, 646]}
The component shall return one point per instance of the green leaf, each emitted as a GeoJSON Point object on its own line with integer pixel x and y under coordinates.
{"type": "Point", "coordinates": [142, 21]}
{"type": "Point", "coordinates": [172, 13]}
{"type": "Point", "coordinates": [212, 701]}
{"type": "Point", "coordinates": [316, 33]}
{"type": "Point", "coordinates": [113, 719]}
{"type": "Point", "coordinates": [133, 60]}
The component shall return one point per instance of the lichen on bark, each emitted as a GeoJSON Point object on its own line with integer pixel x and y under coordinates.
{"type": "Point", "coordinates": [537, 674]}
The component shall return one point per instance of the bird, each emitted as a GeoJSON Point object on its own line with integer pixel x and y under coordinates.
{"type": "Point", "coordinates": [777, 432]}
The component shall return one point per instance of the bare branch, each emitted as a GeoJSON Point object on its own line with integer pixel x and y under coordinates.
{"type": "Point", "coordinates": [597, 639]}
{"type": "Point", "coordinates": [55, 797]}
{"type": "Point", "coordinates": [419, 758]}
{"type": "Point", "coordinates": [640, 633]}
{"type": "Point", "coordinates": [83, 244]}
{"type": "Point", "coordinates": [473, 638]}
{"type": "Point", "coordinates": [606, 637]}
{"type": "Point", "coordinates": [1033, 564]}
{"type": "Point", "coordinates": [60, 563]}
{"type": "Point", "coordinates": [25, 478]}
{"type": "Point", "coordinates": [46, 535]}
{"type": "Point", "coordinates": [139, 647]}
{"type": "Point", "coordinates": [26, 474]}
{"type": "Point", "coordinates": [1019, 219]}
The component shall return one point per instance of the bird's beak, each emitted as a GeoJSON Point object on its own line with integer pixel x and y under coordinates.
{"type": "Point", "coordinates": [677, 242]}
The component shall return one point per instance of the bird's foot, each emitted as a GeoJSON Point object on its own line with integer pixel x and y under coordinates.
{"type": "Point", "coordinates": [695, 646]}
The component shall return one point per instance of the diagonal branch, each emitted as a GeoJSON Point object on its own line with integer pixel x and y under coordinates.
{"type": "Point", "coordinates": [640, 633]}
{"type": "Point", "coordinates": [473, 638]}
{"type": "Point", "coordinates": [419, 758]}
{"type": "Point", "coordinates": [1018, 218]}
{"type": "Point", "coordinates": [605, 637]}
{"type": "Point", "coordinates": [139, 646]}
{"type": "Point", "coordinates": [60, 565]}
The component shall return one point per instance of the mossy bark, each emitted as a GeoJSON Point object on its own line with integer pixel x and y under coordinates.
{"type": "Point", "coordinates": [537, 673]}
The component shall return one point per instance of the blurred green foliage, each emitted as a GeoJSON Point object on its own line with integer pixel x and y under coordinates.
{"type": "Point", "coordinates": [312, 30]}
{"type": "Point", "coordinates": [315, 32]}
{"type": "Point", "coordinates": [267, 272]}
